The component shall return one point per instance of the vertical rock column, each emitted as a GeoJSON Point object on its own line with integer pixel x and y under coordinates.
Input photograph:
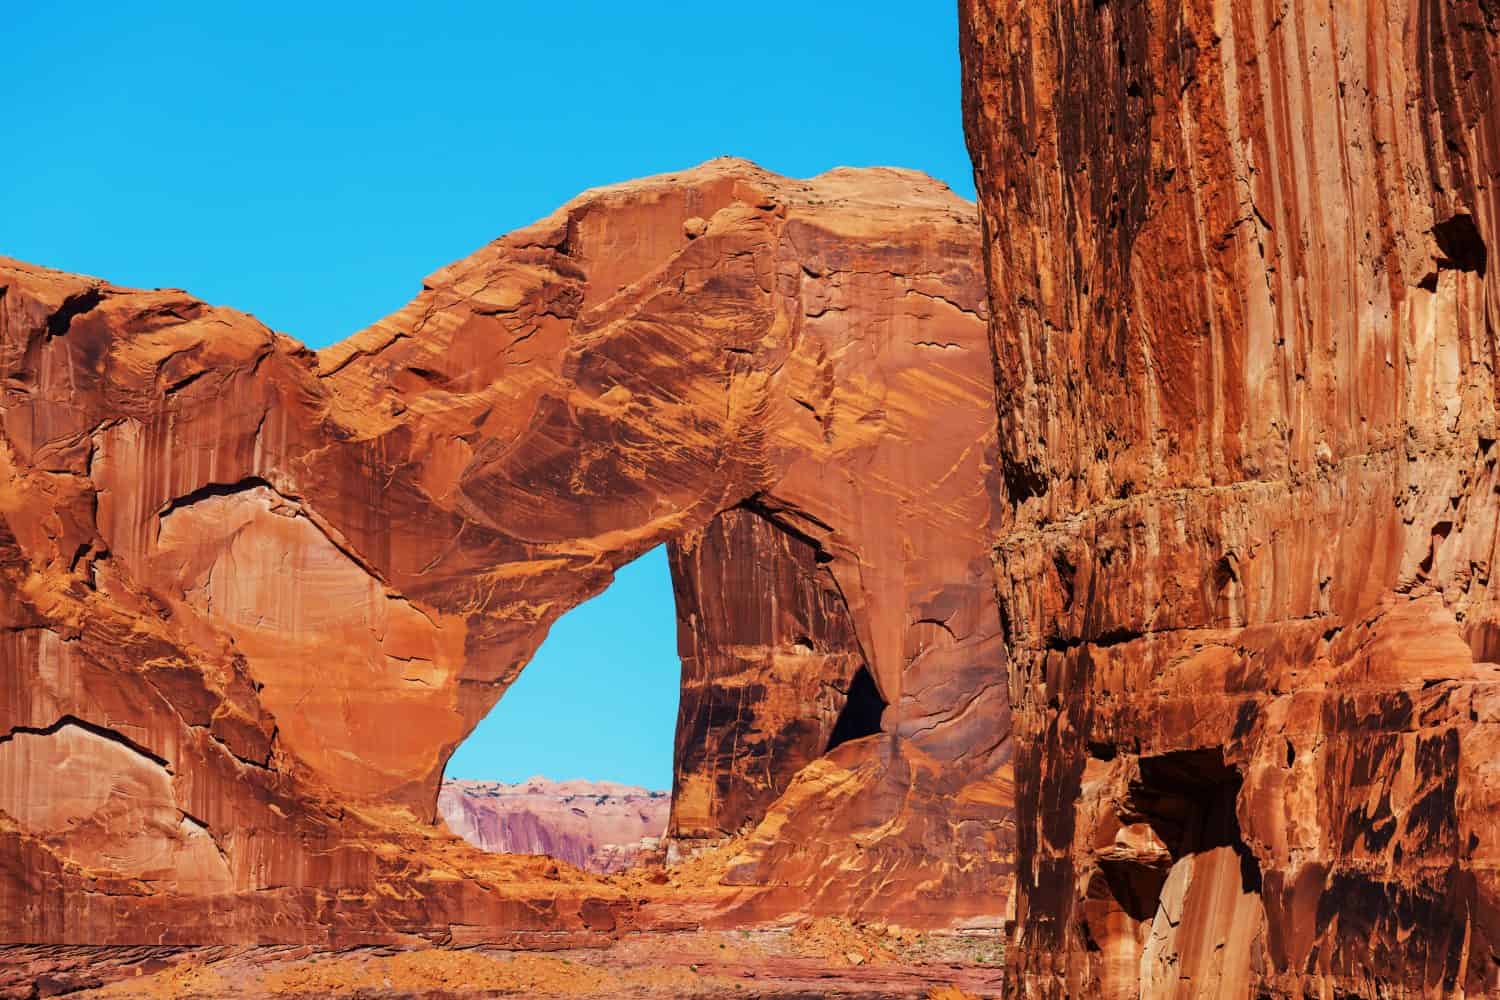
{"type": "Point", "coordinates": [768, 657]}
{"type": "Point", "coordinates": [1244, 315]}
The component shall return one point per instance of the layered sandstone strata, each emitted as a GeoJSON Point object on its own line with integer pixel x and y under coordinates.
{"type": "Point", "coordinates": [599, 826]}
{"type": "Point", "coordinates": [267, 591]}
{"type": "Point", "coordinates": [1244, 318]}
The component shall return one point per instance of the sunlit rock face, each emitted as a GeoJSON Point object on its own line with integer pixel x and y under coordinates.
{"type": "Point", "coordinates": [1244, 315]}
{"type": "Point", "coordinates": [274, 588]}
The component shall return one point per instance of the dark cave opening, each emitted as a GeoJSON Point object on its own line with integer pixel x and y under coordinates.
{"type": "Point", "coordinates": [862, 711]}
{"type": "Point", "coordinates": [1188, 797]}
{"type": "Point", "coordinates": [1461, 245]}
{"type": "Point", "coordinates": [1178, 880]}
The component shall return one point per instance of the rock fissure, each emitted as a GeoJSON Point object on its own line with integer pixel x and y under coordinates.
{"type": "Point", "coordinates": [103, 732]}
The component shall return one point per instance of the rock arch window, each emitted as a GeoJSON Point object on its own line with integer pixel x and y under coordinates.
{"type": "Point", "coordinates": [575, 760]}
{"type": "Point", "coordinates": [766, 687]}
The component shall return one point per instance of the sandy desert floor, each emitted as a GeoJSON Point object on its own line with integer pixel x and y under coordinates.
{"type": "Point", "coordinates": [823, 958]}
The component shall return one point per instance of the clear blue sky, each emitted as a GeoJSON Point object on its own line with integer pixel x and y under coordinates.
{"type": "Point", "coordinates": [311, 162]}
{"type": "Point", "coordinates": [599, 699]}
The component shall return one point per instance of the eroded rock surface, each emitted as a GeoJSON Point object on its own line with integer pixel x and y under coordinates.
{"type": "Point", "coordinates": [1244, 316]}
{"type": "Point", "coordinates": [278, 587]}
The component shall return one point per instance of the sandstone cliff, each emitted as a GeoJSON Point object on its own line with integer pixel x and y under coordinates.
{"type": "Point", "coordinates": [599, 826]}
{"type": "Point", "coordinates": [253, 595]}
{"type": "Point", "coordinates": [1244, 319]}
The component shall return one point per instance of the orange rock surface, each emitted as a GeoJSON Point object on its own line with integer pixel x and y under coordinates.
{"type": "Point", "coordinates": [254, 595]}
{"type": "Point", "coordinates": [1245, 311]}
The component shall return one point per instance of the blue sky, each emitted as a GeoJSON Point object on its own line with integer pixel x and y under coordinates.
{"type": "Point", "coordinates": [311, 162]}
{"type": "Point", "coordinates": [599, 699]}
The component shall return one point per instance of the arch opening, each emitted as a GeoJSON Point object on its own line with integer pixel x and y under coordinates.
{"type": "Point", "coordinates": [575, 759]}
{"type": "Point", "coordinates": [718, 666]}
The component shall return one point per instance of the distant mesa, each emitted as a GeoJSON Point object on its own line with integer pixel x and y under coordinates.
{"type": "Point", "coordinates": [599, 826]}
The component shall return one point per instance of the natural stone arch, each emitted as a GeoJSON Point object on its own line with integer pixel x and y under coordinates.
{"type": "Point", "coordinates": [791, 343]}
{"type": "Point", "coordinates": [375, 537]}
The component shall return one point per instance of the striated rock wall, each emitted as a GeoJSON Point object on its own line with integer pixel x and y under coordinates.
{"type": "Point", "coordinates": [598, 826]}
{"type": "Point", "coordinates": [1244, 316]}
{"type": "Point", "coordinates": [272, 589]}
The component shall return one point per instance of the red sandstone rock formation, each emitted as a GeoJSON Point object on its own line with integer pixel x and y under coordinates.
{"type": "Point", "coordinates": [1245, 311]}
{"type": "Point", "coordinates": [253, 596]}
{"type": "Point", "coordinates": [599, 826]}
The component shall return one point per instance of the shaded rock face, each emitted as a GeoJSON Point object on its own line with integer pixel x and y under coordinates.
{"type": "Point", "coordinates": [763, 682]}
{"type": "Point", "coordinates": [598, 826]}
{"type": "Point", "coordinates": [1244, 313]}
{"type": "Point", "coordinates": [276, 588]}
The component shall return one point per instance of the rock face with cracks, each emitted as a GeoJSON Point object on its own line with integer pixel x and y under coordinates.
{"type": "Point", "coordinates": [1245, 307]}
{"type": "Point", "coordinates": [254, 595]}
